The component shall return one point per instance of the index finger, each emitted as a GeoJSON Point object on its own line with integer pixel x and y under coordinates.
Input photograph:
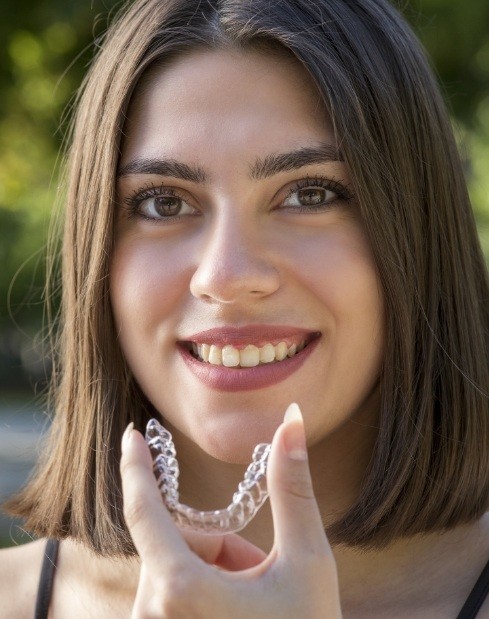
{"type": "Point", "coordinates": [155, 535]}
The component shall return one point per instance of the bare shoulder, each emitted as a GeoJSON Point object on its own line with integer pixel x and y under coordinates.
{"type": "Point", "coordinates": [20, 567]}
{"type": "Point", "coordinates": [484, 611]}
{"type": "Point", "coordinates": [482, 556]}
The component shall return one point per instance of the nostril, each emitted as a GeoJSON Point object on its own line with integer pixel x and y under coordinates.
{"type": "Point", "coordinates": [232, 277]}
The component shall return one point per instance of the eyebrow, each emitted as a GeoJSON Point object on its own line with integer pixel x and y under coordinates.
{"type": "Point", "coordinates": [262, 168]}
{"type": "Point", "coordinates": [285, 162]}
{"type": "Point", "coordinates": [164, 167]}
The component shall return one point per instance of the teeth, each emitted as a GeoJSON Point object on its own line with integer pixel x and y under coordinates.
{"type": "Point", "coordinates": [248, 357]}
{"type": "Point", "coordinates": [267, 353]}
{"type": "Point", "coordinates": [215, 355]}
{"type": "Point", "coordinates": [203, 350]}
{"type": "Point", "coordinates": [281, 351]}
{"type": "Point", "coordinates": [230, 356]}
{"type": "Point", "coordinates": [292, 350]}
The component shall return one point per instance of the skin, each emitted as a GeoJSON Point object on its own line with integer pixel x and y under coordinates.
{"type": "Point", "coordinates": [242, 257]}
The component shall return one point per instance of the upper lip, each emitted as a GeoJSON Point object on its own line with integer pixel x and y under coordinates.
{"type": "Point", "coordinates": [251, 334]}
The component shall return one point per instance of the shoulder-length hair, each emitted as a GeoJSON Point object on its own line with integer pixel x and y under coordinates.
{"type": "Point", "coordinates": [429, 468]}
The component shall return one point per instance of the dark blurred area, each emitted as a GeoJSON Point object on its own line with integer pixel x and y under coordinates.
{"type": "Point", "coordinates": [46, 48]}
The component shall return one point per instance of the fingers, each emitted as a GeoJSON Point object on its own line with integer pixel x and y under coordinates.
{"type": "Point", "coordinates": [296, 518]}
{"type": "Point", "coordinates": [298, 575]}
{"type": "Point", "coordinates": [297, 522]}
{"type": "Point", "coordinates": [237, 554]}
{"type": "Point", "coordinates": [230, 552]}
{"type": "Point", "coordinates": [153, 532]}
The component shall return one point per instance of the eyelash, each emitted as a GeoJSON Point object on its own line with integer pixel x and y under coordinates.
{"type": "Point", "coordinates": [319, 182]}
{"type": "Point", "coordinates": [134, 201]}
{"type": "Point", "coordinates": [342, 192]}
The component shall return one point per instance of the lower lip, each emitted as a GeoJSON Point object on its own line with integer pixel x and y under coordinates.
{"type": "Point", "coordinates": [222, 378]}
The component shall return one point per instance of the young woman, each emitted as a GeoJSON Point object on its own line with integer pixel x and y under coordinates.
{"type": "Point", "coordinates": [264, 206]}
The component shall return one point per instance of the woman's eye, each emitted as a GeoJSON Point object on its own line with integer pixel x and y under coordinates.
{"type": "Point", "coordinates": [159, 206]}
{"type": "Point", "coordinates": [310, 197]}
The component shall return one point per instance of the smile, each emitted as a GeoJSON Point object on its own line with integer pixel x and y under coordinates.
{"type": "Point", "coordinates": [248, 356]}
{"type": "Point", "coordinates": [253, 357]}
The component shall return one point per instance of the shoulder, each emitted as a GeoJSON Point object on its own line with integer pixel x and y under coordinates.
{"type": "Point", "coordinates": [483, 589]}
{"type": "Point", "coordinates": [478, 566]}
{"type": "Point", "coordinates": [20, 567]}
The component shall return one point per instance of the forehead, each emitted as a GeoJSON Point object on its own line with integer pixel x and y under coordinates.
{"type": "Point", "coordinates": [218, 101]}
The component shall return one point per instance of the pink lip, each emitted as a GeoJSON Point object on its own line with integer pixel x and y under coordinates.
{"type": "Point", "coordinates": [245, 379]}
{"type": "Point", "coordinates": [250, 334]}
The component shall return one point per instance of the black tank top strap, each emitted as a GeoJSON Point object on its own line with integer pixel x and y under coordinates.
{"type": "Point", "coordinates": [48, 570]}
{"type": "Point", "coordinates": [476, 597]}
{"type": "Point", "coordinates": [469, 610]}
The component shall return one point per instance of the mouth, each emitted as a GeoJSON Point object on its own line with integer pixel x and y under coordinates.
{"type": "Point", "coordinates": [249, 355]}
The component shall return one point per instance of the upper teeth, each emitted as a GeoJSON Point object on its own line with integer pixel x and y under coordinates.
{"type": "Point", "coordinates": [248, 357]}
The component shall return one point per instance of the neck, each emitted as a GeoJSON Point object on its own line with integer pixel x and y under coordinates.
{"type": "Point", "coordinates": [413, 570]}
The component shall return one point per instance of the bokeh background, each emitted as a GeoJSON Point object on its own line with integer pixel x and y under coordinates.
{"type": "Point", "coordinates": [46, 48]}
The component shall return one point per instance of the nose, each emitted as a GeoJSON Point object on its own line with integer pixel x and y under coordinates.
{"type": "Point", "coordinates": [234, 265]}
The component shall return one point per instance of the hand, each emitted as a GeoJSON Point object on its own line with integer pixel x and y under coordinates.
{"type": "Point", "coordinates": [225, 576]}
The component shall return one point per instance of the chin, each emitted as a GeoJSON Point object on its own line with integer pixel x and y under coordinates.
{"type": "Point", "coordinates": [229, 436]}
{"type": "Point", "coordinates": [235, 449]}
{"type": "Point", "coordinates": [233, 439]}
{"type": "Point", "coordinates": [242, 458]}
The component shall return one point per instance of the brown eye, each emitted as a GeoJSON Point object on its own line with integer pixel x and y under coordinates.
{"type": "Point", "coordinates": [165, 206]}
{"type": "Point", "coordinates": [161, 207]}
{"type": "Point", "coordinates": [312, 196]}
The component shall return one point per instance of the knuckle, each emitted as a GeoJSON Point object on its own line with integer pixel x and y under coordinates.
{"type": "Point", "coordinates": [298, 484]}
{"type": "Point", "coordinates": [321, 564]}
{"type": "Point", "coordinates": [180, 593]}
{"type": "Point", "coordinates": [148, 613]}
{"type": "Point", "coordinates": [134, 511]}
{"type": "Point", "coordinates": [126, 465]}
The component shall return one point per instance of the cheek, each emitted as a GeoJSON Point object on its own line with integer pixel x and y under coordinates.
{"type": "Point", "coordinates": [340, 273]}
{"type": "Point", "coordinates": [146, 282]}
{"type": "Point", "coordinates": [339, 269]}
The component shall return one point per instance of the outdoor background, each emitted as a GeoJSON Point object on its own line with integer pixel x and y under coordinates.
{"type": "Point", "coordinates": [46, 47]}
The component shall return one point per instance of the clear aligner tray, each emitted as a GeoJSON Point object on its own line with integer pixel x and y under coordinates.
{"type": "Point", "coordinates": [247, 500]}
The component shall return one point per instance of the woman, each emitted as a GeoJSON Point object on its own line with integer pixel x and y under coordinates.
{"type": "Point", "coordinates": [278, 178]}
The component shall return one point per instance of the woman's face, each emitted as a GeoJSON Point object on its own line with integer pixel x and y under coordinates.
{"type": "Point", "coordinates": [238, 237]}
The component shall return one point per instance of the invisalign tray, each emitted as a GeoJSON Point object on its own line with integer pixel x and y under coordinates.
{"type": "Point", "coordinates": [251, 494]}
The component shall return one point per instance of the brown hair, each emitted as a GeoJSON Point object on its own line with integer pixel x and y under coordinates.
{"type": "Point", "coordinates": [429, 469]}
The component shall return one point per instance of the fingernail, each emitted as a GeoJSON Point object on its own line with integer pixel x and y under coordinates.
{"type": "Point", "coordinates": [126, 435]}
{"type": "Point", "coordinates": [294, 437]}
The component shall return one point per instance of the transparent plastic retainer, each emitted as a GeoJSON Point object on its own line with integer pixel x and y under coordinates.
{"type": "Point", "coordinates": [247, 500]}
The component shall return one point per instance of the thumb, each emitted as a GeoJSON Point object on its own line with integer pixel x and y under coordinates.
{"type": "Point", "coordinates": [296, 518]}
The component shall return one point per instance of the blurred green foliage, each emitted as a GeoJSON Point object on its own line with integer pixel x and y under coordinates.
{"type": "Point", "coordinates": [47, 45]}
{"type": "Point", "coordinates": [456, 37]}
